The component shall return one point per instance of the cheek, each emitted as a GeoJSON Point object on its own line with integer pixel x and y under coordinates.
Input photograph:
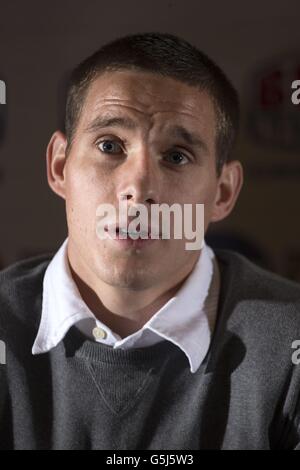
{"type": "Point", "coordinates": [201, 188]}
{"type": "Point", "coordinates": [82, 197]}
{"type": "Point", "coordinates": [204, 192]}
{"type": "Point", "coordinates": [87, 184]}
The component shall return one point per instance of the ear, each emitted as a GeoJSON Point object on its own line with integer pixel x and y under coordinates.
{"type": "Point", "coordinates": [229, 186]}
{"type": "Point", "coordinates": [56, 160]}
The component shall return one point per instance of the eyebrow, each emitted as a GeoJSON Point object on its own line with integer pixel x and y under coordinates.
{"type": "Point", "coordinates": [176, 131]}
{"type": "Point", "coordinates": [191, 138]}
{"type": "Point", "coordinates": [101, 122]}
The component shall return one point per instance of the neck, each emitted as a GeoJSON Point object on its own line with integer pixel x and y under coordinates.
{"type": "Point", "coordinates": [131, 317]}
{"type": "Point", "coordinates": [123, 310]}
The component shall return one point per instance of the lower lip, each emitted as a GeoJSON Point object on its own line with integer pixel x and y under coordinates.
{"type": "Point", "coordinates": [130, 242]}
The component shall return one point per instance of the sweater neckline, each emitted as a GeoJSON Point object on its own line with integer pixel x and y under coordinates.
{"type": "Point", "coordinates": [77, 344]}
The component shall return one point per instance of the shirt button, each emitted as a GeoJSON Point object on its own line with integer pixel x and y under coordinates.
{"type": "Point", "coordinates": [99, 333]}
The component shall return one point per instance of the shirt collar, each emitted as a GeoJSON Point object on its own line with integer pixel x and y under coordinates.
{"type": "Point", "coordinates": [186, 319]}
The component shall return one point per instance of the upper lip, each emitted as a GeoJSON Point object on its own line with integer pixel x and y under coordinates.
{"type": "Point", "coordinates": [117, 228]}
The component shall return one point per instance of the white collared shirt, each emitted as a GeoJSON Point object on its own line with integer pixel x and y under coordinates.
{"type": "Point", "coordinates": [187, 319]}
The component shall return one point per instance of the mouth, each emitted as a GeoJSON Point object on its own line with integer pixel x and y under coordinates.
{"type": "Point", "coordinates": [123, 233]}
{"type": "Point", "coordinates": [123, 238]}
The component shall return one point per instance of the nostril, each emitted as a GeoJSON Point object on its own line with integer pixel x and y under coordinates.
{"type": "Point", "coordinates": [125, 197]}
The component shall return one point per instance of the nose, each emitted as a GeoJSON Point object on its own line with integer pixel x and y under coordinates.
{"type": "Point", "coordinates": [140, 180]}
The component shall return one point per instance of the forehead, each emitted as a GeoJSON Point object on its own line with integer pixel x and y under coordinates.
{"type": "Point", "coordinates": [149, 96]}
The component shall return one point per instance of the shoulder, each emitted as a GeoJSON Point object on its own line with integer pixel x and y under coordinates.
{"type": "Point", "coordinates": [257, 302]}
{"type": "Point", "coordinates": [21, 287]}
{"type": "Point", "coordinates": [256, 340]}
{"type": "Point", "coordinates": [25, 269]}
{"type": "Point", "coordinates": [252, 281]}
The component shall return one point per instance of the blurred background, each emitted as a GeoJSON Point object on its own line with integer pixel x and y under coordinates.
{"type": "Point", "coordinates": [257, 44]}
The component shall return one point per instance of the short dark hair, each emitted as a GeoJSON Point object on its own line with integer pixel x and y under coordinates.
{"type": "Point", "coordinates": [166, 55]}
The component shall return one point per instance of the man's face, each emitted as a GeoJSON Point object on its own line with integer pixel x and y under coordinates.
{"type": "Point", "coordinates": [161, 150]}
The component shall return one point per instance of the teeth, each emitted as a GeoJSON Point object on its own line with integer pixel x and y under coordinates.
{"type": "Point", "coordinates": [124, 231]}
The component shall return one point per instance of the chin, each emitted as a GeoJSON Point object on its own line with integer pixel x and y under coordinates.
{"type": "Point", "coordinates": [128, 278]}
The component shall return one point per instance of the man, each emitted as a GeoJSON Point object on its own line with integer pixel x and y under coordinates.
{"type": "Point", "coordinates": [145, 344]}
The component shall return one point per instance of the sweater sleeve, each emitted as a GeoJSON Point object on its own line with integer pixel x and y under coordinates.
{"type": "Point", "coordinates": [2, 373]}
{"type": "Point", "coordinates": [292, 406]}
{"type": "Point", "coordinates": [297, 423]}
{"type": "Point", "coordinates": [3, 408]}
{"type": "Point", "coordinates": [297, 434]}
{"type": "Point", "coordinates": [5, 418]}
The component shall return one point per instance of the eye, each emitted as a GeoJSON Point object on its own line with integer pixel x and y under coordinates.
{"type": "Point", "coordinates": [178, 158]}
{"type": "Point", "coordinates": [109, 146]}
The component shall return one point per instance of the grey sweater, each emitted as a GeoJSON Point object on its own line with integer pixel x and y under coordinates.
{"type": "Point", "coordinates": [86, 395]}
